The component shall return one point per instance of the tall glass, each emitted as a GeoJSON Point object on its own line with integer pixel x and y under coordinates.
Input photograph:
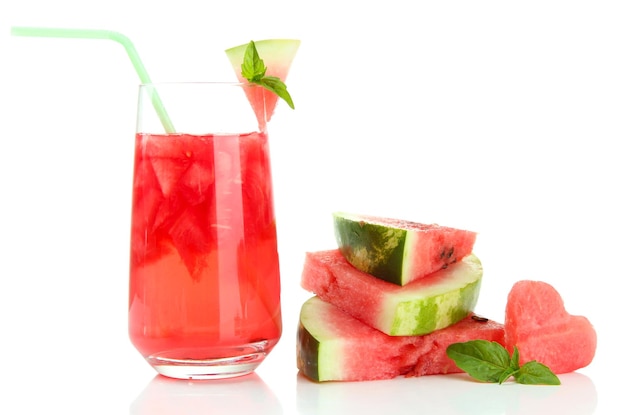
{"type": "Point", "coordinates": [204, 273]}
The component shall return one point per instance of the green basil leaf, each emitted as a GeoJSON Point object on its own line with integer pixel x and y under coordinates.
{"type": "Point", "coordinates": [507, 373]}
{"type": "Point", "coordinates": [515, 358]}
{"type": "Point", "coordinates": [513, 367]}
{"type": "Point", "coordinates": [481, 359]}
{"type": "Point", "coordinates": [535, 373]}
{"type": "Point", "coordinates": [490, 362]}
{"type": "Point", "coordinates": [253, 68]}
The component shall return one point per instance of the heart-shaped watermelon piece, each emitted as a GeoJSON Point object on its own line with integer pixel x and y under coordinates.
{"type": "Point", "coordinates": [537, 323]}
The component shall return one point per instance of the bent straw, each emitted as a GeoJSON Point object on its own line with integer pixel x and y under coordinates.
{"type": "Point", "coordinates": [104, 34]}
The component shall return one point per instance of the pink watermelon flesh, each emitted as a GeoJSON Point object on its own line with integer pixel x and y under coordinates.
{"type": "Point", "coordinates": [538, 324]}
{"type": "Point", "coordinates": [364, 353]}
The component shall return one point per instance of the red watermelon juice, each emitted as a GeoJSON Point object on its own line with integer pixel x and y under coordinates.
{"type": "Point", "coordinates": [204, 271]}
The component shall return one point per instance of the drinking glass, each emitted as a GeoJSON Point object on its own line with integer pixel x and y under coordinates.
{"type": "Point", "coordinates": [204, 297]}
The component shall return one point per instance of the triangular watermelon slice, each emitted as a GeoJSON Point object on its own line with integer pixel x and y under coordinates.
{"type": "Point", "coordinates": [399, 251]}
{"type": "Point", "coordinates": [277, 54]}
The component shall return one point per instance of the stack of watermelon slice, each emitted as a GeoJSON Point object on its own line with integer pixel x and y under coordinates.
{"type": "Point", "coordinates": [389, 300]}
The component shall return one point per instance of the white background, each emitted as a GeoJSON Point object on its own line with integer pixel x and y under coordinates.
{"type": "Point", "coordinates": [507, 118]}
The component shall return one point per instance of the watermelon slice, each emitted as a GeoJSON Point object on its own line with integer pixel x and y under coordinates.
{"type": "Point", "coordinates": [333, 346]}
{"type": "Point", "coordinates": [399, 251]}
{"type": "Point", "coordinates": [538, 324]}
{"type": "Point", "coordinates": [277, 54]}
{"type": "Point", "coordinates": [428, 304]}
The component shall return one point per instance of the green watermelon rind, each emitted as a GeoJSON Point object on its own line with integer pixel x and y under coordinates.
{"type": "Point", "coordinates": [426, 306]}
{"type": "Point", "coordinates": [372, 248]}
{"type": "Point", "coordinates": [308, 352]}
{"type": "Point", "coordinates": [268, 49]}
{"type": "Point", "coordinates": [316, 345]}
{"type": "Point", "coordinates": [431, 314]}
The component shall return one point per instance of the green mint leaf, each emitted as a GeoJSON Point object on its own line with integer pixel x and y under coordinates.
{"type": "Point", "coordinates": [278, 87]}
{"type": "Point", "coordinates": [253, 69]}
{"type": "Point", "coordinates": [481, 359]}
{"type": "Point", "coordinates": [535, 373]}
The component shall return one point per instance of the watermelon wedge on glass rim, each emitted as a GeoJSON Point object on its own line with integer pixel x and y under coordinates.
{"type": "Point", "coordinates": [277, 55]}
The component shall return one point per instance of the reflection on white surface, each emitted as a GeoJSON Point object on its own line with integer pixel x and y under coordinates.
{"type": "Point", "coordinates": [243, 395]}
{"type": "Point", "coordinates": [449, 394]}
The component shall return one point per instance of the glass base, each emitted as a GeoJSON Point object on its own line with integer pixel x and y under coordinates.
{"type": "Point", "coordinates": [223, 363]}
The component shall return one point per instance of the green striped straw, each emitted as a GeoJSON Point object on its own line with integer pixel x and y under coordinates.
{"type": "Point", "coordinates": [104, 34]}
